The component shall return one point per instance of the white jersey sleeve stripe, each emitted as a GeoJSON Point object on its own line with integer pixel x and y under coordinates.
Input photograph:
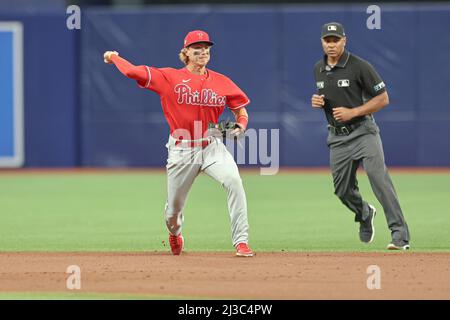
{"type": "Point", "coordinates": [240, 106]}
{"type": "Point", "coordinates": [149, 77]}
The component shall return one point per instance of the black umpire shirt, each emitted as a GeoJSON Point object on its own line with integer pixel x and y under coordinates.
{"type": "Point", "coordinates": [350, 83]}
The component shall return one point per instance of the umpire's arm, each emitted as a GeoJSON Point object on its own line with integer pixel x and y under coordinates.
{"type": "Point", "coordinates": [373, 105]}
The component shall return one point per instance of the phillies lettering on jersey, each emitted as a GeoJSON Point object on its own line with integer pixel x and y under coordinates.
{"type": "Point", "coordinates": [206, 97]}
{"type": "Point", "coordinates": [188, 99]}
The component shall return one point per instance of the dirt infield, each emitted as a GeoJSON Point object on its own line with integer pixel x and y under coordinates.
{"type": "Point", "coordinates": [221, 275]}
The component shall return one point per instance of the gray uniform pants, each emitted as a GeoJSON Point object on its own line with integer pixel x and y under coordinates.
{"type": "Point", "coordinates": [184, 163]}
{"type": "Point", "coordinates": [346, 153]}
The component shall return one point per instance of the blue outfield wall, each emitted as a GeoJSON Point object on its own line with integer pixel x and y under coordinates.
{"type": "Point", "coordinates": [270, 52]}
{"type": "Point", "coordinates": [50, 88]}
{"type": "Point", "coordinates": [88, 114]}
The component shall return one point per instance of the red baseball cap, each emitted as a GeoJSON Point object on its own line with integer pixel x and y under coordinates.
{"type": "Point", "coordinates": [197, 36]}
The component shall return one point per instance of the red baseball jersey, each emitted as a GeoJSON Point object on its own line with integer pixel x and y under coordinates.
{"type": "Point", "coordinates": [187, 97]}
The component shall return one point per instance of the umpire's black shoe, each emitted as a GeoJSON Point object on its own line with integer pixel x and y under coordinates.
{"type": "Point", "coordinates": [366, 227]}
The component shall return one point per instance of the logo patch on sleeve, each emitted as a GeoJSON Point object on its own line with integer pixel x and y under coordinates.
{"type": "Point", "coordinates": [379, 86]}
{"type": "Point", "coordinates": [343, 83]}
{"type": "Point", "coordinates": [320, 85]}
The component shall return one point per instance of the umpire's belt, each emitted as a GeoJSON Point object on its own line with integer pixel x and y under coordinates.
{"type": "Point", "coordinates": [345, 130]}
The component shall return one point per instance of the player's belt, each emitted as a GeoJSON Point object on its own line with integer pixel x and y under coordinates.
{"type": "Point", "coordinates": [193, 143]}
{"type": "Point", "coordinates": [345, 130]}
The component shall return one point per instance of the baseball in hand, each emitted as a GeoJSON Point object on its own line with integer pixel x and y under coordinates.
{"type": "Point", "coordinates": [107, 56]}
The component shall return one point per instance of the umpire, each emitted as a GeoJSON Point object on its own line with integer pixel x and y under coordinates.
{"type": "Point", "coordinates": [350, 91]}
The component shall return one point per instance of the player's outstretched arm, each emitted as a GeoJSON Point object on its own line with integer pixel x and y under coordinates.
{"type": "Point", "coordinates": [139, 73]}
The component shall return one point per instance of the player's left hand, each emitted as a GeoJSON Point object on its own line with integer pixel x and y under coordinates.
{"type": "Point", "coordinates": [343, 114]}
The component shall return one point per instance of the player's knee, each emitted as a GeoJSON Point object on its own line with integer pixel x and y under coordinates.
{"type": "Point", "coordinates": [232, 182]}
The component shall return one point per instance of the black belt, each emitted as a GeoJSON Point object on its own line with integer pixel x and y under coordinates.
{"type": "Point", "coordinates": [345, 130]}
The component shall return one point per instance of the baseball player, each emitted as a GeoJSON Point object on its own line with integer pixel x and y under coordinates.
{"type": "Point", "coordinates": [192, 98]}
{"type": "Point", "coordinates": [350, 91]}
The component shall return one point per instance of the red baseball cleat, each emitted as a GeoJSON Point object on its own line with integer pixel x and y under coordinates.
{"type": "Point", "coordinates": [176, 244]}
{"type": "Point", "coordinates": [242, 250]}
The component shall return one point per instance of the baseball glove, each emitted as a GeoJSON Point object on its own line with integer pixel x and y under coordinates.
{"type": "Point", "coordinates": [224, 129]}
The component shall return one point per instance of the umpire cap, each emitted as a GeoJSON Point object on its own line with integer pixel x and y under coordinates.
{"type": "Point", "coordinates": [333, 29]}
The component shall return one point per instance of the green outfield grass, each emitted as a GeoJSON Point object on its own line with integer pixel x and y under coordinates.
{"type": "Point", "coordinates": [289, 211]}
